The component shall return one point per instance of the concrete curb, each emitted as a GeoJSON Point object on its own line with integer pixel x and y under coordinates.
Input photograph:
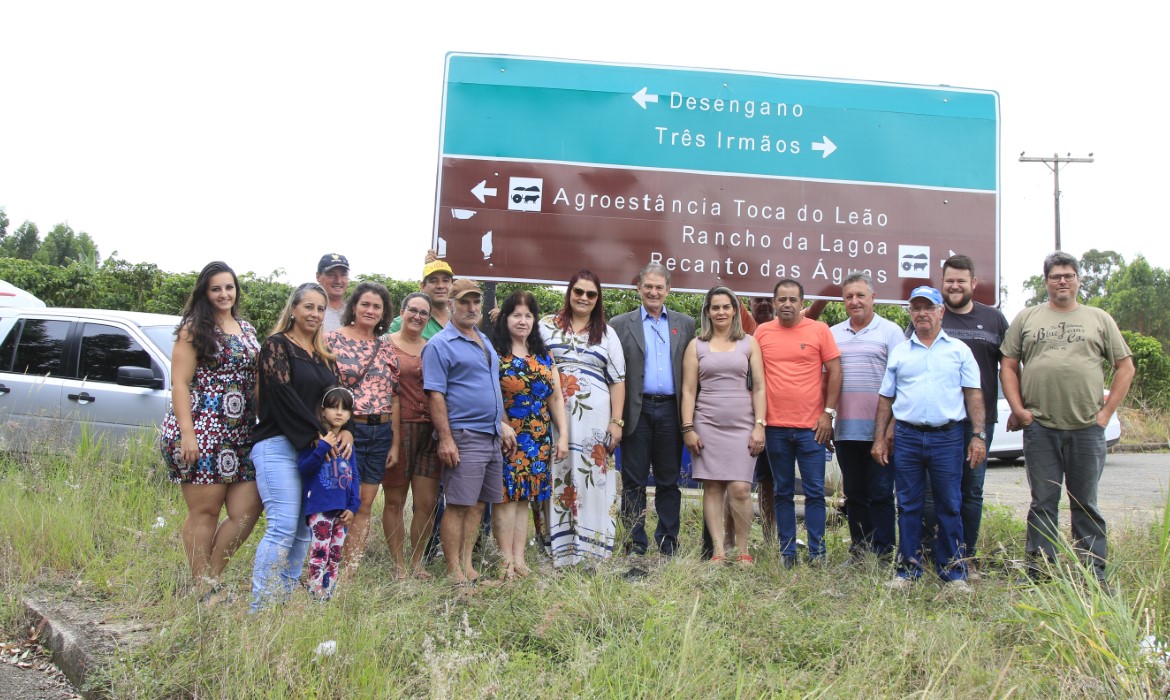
{"type": "Point", "coordinates": [67, 642]}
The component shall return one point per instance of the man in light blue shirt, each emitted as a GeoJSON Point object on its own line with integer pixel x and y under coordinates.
{"type": "Point", "coordinates": [462, 381]}
{"type": "Point", "coordinates": [653, 341]}
{"type": "Point", "coordinates": [930, 387]}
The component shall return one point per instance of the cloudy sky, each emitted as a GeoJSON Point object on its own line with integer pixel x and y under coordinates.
{"type": "Point", "coordinates": [266, 134]}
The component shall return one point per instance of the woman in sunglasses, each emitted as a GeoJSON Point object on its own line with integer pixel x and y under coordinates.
{"type": "Point", "coordinates": [296, 367]}
{"type": "Point", "coordinates": [592, 371]}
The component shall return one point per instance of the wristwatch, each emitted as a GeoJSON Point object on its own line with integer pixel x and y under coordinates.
{"type": "Point", "coordinates": [760, 422]}
{"type": "Point", "coordinates": [982, 435]}
{"type": "Point", "coordinates": [832, 413]}
{"type": "Point", "coordinates": [618, 422]}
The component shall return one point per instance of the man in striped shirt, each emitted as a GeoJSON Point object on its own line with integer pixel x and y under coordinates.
{"type": "Point", "coordinates": [865, 341]}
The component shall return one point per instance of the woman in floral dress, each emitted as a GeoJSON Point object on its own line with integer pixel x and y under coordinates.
{"type": "Point", "coordinates": [592, 371]}
{"type": "Point", "coordinates": [207, 434]}
{"type": "Point", "coordinates": [528, 378]}
{"type": "Point", "coordinates": [367, 366]}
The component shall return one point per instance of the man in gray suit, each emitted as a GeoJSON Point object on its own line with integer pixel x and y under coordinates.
{"type": "Point", "coordinates": [653, 341]}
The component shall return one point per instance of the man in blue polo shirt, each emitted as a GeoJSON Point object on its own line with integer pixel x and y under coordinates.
{"type": "Point", "coordinates": [930, 387]}
{"type": "Point", "coordinates": [462, 381]}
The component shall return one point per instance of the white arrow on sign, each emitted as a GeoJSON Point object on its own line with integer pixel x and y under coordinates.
{"type": "Point", "coordinates": [943, 262]}
{"type": "Point", "coordinates": [481, 190]}
{"type": "Point", "coordinates": [827, 146]}
{"type": "Point", "coordinates": [642, 98]}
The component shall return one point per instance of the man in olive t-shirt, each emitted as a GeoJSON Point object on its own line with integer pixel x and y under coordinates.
{"type": "Point", "coordinates": [1053, 379]}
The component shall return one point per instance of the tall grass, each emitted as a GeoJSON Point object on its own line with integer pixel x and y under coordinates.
{"type": "Point", "coordinates": [86, 529]}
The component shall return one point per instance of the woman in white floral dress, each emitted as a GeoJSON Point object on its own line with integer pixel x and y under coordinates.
{"type": "Point", "coordinates": [589, 359]}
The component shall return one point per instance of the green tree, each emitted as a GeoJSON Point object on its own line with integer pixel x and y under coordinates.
{"type": "Point", "coordinates": [1151, 384]}
{"type": "Point", "coordinates": [1138, 298]}
{"type": "Point", "coordinates": [22, 243]}
{"type": "Point", "coordinates": [261, 299]}
{"type": "Point", "coordinates": [62, 246]}
{"type": "Point", "coordinates": [1097, 266]}
{"type": "Point", "coordinates": [3, 226]}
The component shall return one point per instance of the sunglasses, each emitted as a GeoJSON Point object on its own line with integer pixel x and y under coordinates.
{"type": "Point", "coordinates": [578, 292]}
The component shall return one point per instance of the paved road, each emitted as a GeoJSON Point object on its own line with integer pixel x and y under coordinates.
{"type": "Point", "coordinates": [1133, 488]}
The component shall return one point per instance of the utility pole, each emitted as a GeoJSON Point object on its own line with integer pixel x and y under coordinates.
{"type": "Point", "coordinates": [1054, 164]}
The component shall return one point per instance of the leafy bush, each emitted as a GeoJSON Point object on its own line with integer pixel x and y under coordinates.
{"type": "Point", "coordinates": [1151, 384]}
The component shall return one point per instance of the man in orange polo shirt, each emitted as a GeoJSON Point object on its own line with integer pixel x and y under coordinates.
{"type": "Point", "coordinates": [802, 373]}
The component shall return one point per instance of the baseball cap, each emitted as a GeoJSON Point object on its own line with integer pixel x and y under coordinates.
{"type": "Point", "coordinates": [436, 266]}
{"type": "Point", "coordinates": [930, 293]}
{"type": "Point", "coordinates": [332, 260]}
{"type": "Point", "coordinates": [463, 287]}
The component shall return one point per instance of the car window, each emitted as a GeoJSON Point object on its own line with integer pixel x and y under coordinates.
{"type": "Point", "coordinates": [106, 348]}
{"type": "Point", "coordinates": [35, 346]}
{"type": "Point", "coordinates": [163, 338]}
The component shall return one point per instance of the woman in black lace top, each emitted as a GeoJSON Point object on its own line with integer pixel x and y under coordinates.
{"type": "Point", "coordinates": [296, 367]}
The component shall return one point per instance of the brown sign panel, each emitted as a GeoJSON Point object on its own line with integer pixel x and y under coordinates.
{"type": "Point", "coordinates": [541, 222]}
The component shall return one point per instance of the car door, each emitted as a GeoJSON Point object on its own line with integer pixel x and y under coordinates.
{"type": "Point", "coordinates": [95, 400]}
{"type": "Point", "coordinates": [33, 362]}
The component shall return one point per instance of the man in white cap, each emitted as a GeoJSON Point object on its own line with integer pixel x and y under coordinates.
{"type": "Point", "coordinates": [931, 387]}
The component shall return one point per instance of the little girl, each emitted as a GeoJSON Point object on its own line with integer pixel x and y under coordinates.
{"type": "Point", "coordinates": [331, 494]}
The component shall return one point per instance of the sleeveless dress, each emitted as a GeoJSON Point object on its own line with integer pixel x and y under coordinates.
{"type": "Point", "coordinates": [223, 410]}
{"type": "Point", "coordinates": [723, 413]}
{"type": "Point", "coordinates": [583, 504]}
{"type": "Point", "coordinates": [527, 384]}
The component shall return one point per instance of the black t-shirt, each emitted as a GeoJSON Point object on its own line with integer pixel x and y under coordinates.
{"type": "Point", "coordinates": [982, 329]}
{"type": "Point", "coordinates": [291, 385]}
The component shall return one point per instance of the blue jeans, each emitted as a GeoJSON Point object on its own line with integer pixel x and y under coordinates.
{"type": "Point", "coordinates": [869, 498]}
{"type": "Point", "coordinates": [1075, 458]}
{"type": "Point", "coordinates": [939, 454]}
{"type": "Point", "coordinates": [788, 448]}
{"type": "Point", "coordinates": [281, 552]}
{"type": "Point", "coordinates": [371, 447]}
{"type": "Point", "coordinates": [971, 510]}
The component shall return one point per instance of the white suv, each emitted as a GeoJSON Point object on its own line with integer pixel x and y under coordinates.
{"type": "Point", "coordinates": [68, 371]}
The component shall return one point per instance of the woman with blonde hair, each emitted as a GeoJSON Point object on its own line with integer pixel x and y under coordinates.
{"type": "Point", "coordinates": [723, 407]}
{"type": "Point", "coordinates": [296, 367]}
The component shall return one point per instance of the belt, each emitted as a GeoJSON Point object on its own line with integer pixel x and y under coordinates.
{"type": "Point", "coordinates": [657, 397]}
{"type": "Point", "coordinates": [374, 419]}
{"type": "Point", "coordinates": [930, 428]}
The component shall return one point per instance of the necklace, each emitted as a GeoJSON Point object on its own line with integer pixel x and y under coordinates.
{"type": "Point", "coordinates": [296, 341]}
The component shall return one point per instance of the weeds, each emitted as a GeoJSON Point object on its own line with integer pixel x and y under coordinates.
{"type": "Point", "coordinates": [87, 529]}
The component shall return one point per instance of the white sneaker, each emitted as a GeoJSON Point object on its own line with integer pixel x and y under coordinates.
{"type": "Point", "coordinates": [958, 586]}
{"type": "Point", "coordinates": [899, 583]}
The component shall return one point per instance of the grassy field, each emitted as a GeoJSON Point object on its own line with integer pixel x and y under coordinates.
{"type": "Point", "coordinates": [104, 533]}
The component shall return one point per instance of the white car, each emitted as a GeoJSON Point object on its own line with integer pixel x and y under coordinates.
{"type": "Point", "coordinates": [65, 372]}
{"type": "Point", "coordinates": [1009, 447]}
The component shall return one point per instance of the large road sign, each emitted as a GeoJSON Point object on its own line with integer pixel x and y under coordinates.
{"type": "Point", "coordinates": [548, 166]}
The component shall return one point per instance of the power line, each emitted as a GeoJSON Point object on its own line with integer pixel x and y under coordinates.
{"type": "Point", "coordinates": [1054, 164]}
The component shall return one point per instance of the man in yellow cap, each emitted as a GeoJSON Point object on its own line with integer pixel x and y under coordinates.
{"type": "Point", "coordinates": [436, 283]}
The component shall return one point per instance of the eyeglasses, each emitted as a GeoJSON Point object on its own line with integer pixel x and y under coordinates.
{"type": "Point", "coordinates": [421, 313]}
{"type": "Point", "coordinates": [1062, 277]}
{"type": "Point", "coordinates": [590, 294]}
{"type": "Point", "coordinates": [922, 309]}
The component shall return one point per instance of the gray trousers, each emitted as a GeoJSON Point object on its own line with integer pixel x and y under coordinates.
{"type": "Point", "coordinates": [1076, 459]}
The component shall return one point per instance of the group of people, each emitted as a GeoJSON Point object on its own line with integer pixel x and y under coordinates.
{"type": "Point", "coordinates": [341, 399]}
